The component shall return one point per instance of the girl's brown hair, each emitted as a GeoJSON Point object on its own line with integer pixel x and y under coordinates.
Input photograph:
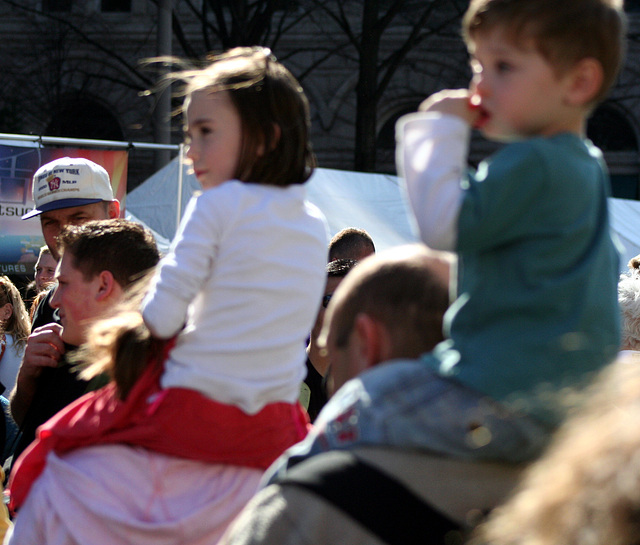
{"type": "Point", "coordinates": [18, 323]}
{"type": "Point", "coordinates": [273, 110]}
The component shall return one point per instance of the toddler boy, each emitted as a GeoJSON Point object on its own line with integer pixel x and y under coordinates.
{"type": "Point", "coordinates": [536, 312]}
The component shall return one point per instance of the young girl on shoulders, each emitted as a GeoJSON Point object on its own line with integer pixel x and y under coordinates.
{"type": "Point", "coordinates": [235, 296]}
{"type": "Point", "coordinates": [245, 273]}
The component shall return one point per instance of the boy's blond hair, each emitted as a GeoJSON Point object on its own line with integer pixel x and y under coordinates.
{"type": "Point", "coordinates": [563, 31]}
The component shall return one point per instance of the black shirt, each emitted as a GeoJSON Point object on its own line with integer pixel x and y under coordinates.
{"type": "Point", "coordinates": [317, 391]}
{"type": "Point", "coordinates": [56, 387]}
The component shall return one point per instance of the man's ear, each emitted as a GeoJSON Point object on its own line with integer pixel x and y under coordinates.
{"type": "Point", "coordinates": [374, 341]}
{"type": "Point", "coordinates": [114, 209]}
{"type": "Point", "coordinates": [586, 81]}
{"type": "Point", "coordinates": [106, 286]}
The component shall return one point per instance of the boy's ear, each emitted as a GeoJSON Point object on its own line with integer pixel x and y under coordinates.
{"type": "Point", "coordinates": [586, 81]}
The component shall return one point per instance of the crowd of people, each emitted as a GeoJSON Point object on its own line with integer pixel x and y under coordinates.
{"type": "Point", "coordinates": [441, 395]}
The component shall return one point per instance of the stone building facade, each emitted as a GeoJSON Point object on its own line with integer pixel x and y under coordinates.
{"type": "Point", "coordinates": [72, 69]}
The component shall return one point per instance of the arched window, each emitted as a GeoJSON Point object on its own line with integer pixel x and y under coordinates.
{"type": "Point", "coordinates": [632, 6]}
{"type": "Point", "coordinates": [611, 130]}
{"type": "Point", "coordinates": [120, 6]}
{"type": "Point", "coordinates": [84, 118]}
{"type": "Point", "coordinates": [386, 140]}
{"type": "Point", "coordinates": [57, 5]}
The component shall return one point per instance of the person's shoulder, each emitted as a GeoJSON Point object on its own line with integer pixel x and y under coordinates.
{"type": "Point", "coordinates": [228, 192]}
{"type": "Point", "coordinates": [288, 514]}
{"type": "Point", "coordinates": [367, 390]}
{"type": "Point", "coordinates": [237, 189]}
{"type": "Point", "coordinates": [275, 515]}
{"type": "Point", "coordinates": [535, 159]}
{"type": "Point", "coordinates": [522, 149]}
{"type": "Point", "coordinates": [226, 198]}
{"type": "Point", "coordinates": [566, 155]}
{"type": "Point", "coordinates": [350, 488]}
{"type": "Point", "coordinates": [44, 313]}
{"type": "Point", "coordinates": [556, 146]}
{"type": "Point", "coordinates": [16, 348]}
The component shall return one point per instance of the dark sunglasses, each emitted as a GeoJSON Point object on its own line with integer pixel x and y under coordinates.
{"type": "Point", "coordinates": [326, 299]}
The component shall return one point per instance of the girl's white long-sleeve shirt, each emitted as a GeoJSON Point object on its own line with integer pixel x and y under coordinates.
{"type": "Point", "coordinates": [10, 363]}
{"type": "Point", "coordinates": [241, 287]}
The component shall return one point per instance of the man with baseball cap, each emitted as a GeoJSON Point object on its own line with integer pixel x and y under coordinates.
{"type": "Point", "coordinates": [70, 191]}
{"type": "Point", "coordinates": [67, 191]}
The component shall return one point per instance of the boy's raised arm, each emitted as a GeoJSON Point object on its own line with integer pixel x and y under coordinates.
{"type": "Point", "coordinates": [431, 156]}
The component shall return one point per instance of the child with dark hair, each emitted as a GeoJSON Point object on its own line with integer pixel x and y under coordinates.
{"type": "Point", "coordinates": [244, 277]}
{"type": "Point", "coordinates": [207, 371]}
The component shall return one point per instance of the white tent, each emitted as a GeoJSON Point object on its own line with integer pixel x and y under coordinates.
{"type": "Point", "coordinates": [625, 221]}
{"type": "Point", "coordinates": [375, 202]}
{"type": "Point", "coordinates": [162, 242]}
{"type": "Point", "coordinates": [155, 200]}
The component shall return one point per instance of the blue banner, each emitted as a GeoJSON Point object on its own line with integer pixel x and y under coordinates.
{"type": "Point", "coordinates": [20, 240]}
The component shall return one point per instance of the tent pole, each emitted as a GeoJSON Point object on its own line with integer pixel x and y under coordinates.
{"type": "Point", "coordinates": [180, 181]}
{"type": "Point", "coordinates": [83, 142]}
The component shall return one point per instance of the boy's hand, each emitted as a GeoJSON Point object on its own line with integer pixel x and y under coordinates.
{"type": "Point", "coordinates": [458, 102]}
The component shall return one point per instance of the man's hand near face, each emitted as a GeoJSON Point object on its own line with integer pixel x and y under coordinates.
{"type": "Point", "coordinates": [44, 349]}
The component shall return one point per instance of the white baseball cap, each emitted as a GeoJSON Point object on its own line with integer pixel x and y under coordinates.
{"type": "Point", "coordinates": [69, 182]}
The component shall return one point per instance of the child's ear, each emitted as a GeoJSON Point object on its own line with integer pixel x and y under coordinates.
{"type": "Point", "coordinates": [275, 136]}
{"type": "Point", "coordinates": [6, 311]}
{"type": "Point", "coordinates": [585, 83]}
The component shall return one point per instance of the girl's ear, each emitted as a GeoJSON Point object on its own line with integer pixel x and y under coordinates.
{"type": "Point", "coordinates": [585, 83]}
{"type": "Point", "coordinates": [6, 311]}
{"type": "Point", "coordinates": [275, 138]}
{"type": "Point", "coordinates": [277, 134]}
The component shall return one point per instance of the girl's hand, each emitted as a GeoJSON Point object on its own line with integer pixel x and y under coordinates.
{"type": "Point", "coordinates": [459, 102]}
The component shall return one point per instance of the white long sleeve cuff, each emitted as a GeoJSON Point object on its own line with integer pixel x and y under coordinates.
{"type": "Point", "coordinates": [432, 153]}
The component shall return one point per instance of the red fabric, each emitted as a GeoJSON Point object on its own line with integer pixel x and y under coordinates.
{"type": "Point", "coordinates": [176, 421]}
